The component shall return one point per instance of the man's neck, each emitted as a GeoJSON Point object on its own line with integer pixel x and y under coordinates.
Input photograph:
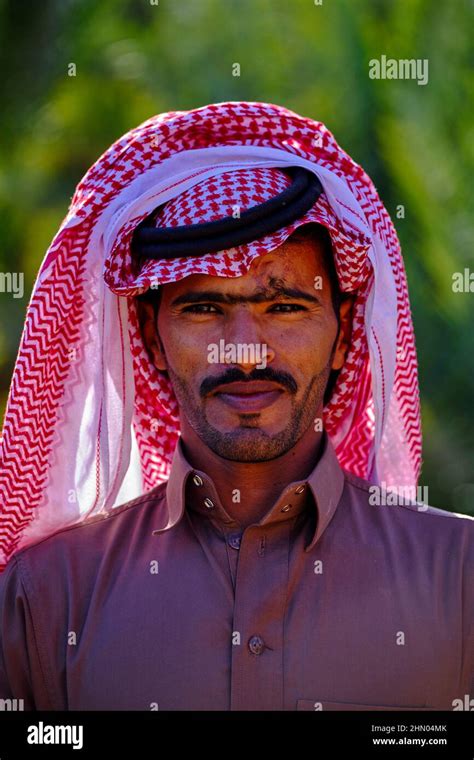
{"type": "Point", "coordinates": [248, 490]}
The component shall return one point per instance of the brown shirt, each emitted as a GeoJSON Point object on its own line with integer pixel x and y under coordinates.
{"type": "Point", "coordinates": [329, 602]}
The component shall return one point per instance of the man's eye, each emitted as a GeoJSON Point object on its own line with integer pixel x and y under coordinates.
{"type": "Point", "coordinates": [288, 308]}
{"type": "Point", "coordinates": [201, 308]}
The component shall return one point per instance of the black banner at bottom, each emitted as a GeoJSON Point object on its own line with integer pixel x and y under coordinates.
{"type": "Point", "coordinates": [373, 734]}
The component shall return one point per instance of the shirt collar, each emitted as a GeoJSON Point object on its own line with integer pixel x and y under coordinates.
{"type": "Point", "coordinates": [194, 488]}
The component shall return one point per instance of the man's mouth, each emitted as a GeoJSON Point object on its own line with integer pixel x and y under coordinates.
{"type": "Point", "coordinates": [251, 396]}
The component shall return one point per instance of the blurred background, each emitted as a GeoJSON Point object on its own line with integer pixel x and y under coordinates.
{"type": "Point", "coordinates": [136, 58]}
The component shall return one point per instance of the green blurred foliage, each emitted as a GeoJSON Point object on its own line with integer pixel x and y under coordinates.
{"type": "Point", "coordinates": [135, 58]}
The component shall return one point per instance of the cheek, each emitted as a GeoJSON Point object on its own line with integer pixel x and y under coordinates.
{"type": "Point", "coordinates": [186, 349]}
{"type": "Point", "coordinates": [306, 348]}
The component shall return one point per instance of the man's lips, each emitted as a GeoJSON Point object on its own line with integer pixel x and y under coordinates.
{"type": "Point", "coordinates": [248, 396]}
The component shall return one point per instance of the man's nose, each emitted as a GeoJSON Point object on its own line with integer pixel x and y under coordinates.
{"type": "Point", "coordinates": [250, 348]}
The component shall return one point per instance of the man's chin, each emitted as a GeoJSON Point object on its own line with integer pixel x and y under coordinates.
{"type": "Point", "coordinates": [251, 445]}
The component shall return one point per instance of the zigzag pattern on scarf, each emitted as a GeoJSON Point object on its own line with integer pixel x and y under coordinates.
{"type": "Point", "coordinates": [39, 380]}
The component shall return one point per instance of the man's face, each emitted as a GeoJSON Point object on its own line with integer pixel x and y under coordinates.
{"type": "Point", "coordinates": [278, 316]}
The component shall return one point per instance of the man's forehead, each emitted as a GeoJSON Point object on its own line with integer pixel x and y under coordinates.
{"type": "Point", "coordinates": [293, 263]}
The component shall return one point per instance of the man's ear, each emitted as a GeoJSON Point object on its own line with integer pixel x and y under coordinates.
{"type": "Point", "coordinates": [148, 324]}
{"type": "Point", "coordinates": [345, 332]}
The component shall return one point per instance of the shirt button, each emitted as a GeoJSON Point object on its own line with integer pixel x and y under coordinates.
{"type": "Point", "coordinates": [198, 480]}
{"type": "Point", "coordinates": [300, 489]}
{"type": "Point", "coordinates": [286, 508]}
{"type": "Point", "coordinates": [256, 644]}
{"type": "Point", "coordinates": [209, 503]}
{"type": "Point", "coordinates": [234, 540]}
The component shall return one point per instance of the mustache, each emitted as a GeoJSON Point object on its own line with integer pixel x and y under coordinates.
{"type": "Point", "coordinates": [236, 375]}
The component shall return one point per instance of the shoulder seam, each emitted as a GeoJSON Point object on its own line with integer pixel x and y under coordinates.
{"type": "Point", "coordinates": [98, 518]}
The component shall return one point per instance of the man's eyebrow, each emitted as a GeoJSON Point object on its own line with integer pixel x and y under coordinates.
{"type": "Point", "coordinates": [260, 296]}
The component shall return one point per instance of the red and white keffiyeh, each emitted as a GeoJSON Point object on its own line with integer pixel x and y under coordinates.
{"type": "Point", "coordinates": [90, 423]}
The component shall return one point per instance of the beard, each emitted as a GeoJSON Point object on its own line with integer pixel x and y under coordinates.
{"type": "Point", "coordinates": [248, 442]}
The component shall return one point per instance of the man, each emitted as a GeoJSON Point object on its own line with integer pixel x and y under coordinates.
{"type": "Point", "coordinates": [217, 376]}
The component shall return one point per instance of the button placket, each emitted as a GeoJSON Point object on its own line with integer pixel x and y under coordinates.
{"type": "Point", "coordinates": [259, 611]}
